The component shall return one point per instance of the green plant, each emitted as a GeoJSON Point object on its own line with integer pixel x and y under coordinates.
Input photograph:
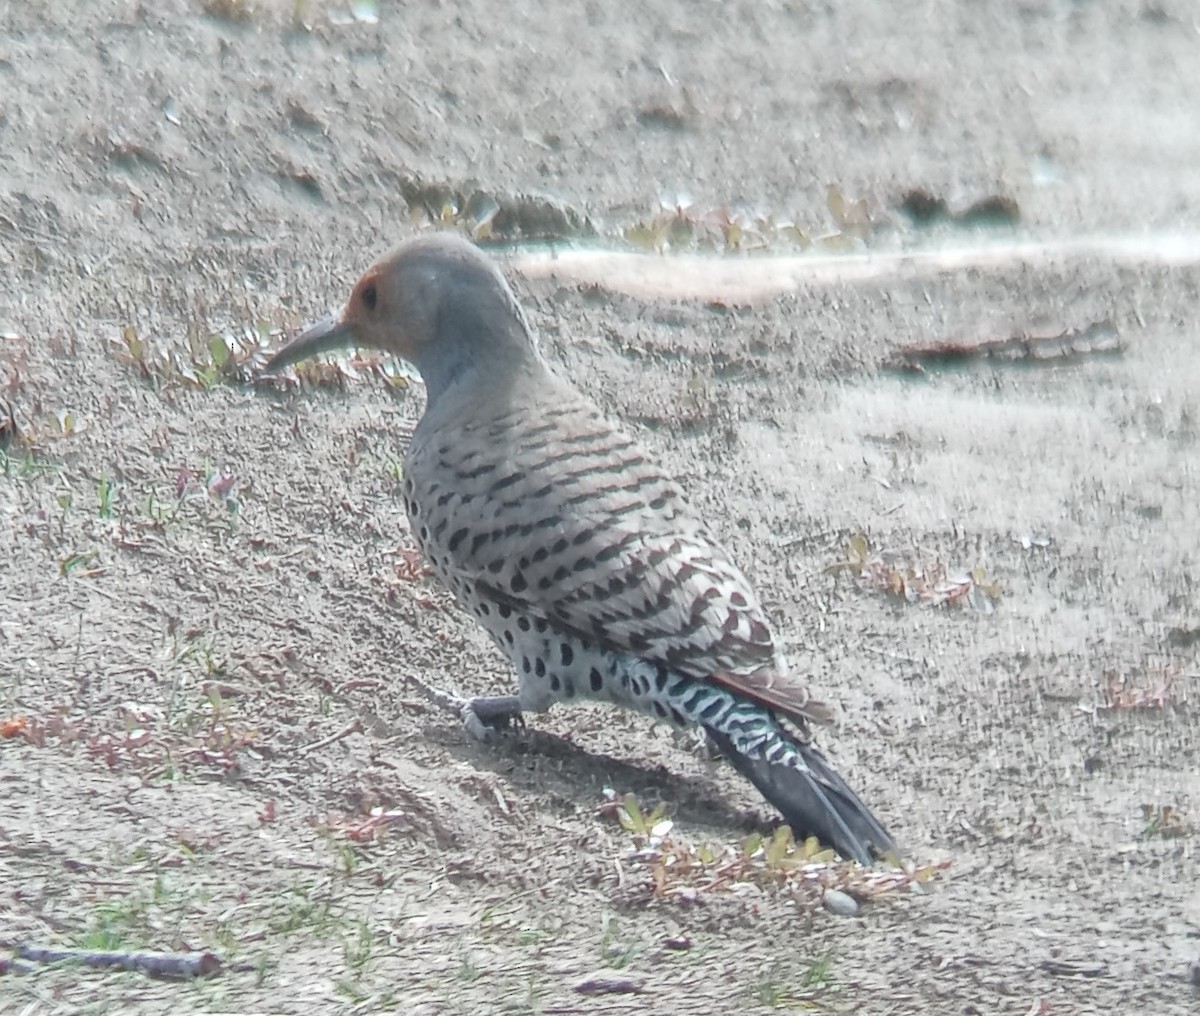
{"type": "Point", "coordinates": [359, 946]}
{"type": "Point", "coordinates": [105, 495]}
{"type": "Point", "coordinates": [615, 952]}
{"type": "Point", "coordinates": [80, 562]}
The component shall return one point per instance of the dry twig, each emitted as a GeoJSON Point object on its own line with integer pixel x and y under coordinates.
{"type": "Point", "coordinates": [172, 966]}
{"type": "Point", "coordinates": [353, 727]}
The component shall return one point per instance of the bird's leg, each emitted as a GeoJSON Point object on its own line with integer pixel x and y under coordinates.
{"type": "Point", "coordinates": [482, 715]}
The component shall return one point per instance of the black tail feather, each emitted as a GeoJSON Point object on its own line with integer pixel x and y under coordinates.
{"type": "Point", "coordinates": [817, 803]}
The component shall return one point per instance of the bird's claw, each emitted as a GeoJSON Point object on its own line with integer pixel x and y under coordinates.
{"type": "Point", "coordinates": [482, 728]}
{"type": "Point", "coordinates": [476, 727]}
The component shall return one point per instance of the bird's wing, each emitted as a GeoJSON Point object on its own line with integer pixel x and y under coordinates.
{"type": "Point", "coordinates": [674, 599]}
{"type": "Point", "coordinates": [574, 524]}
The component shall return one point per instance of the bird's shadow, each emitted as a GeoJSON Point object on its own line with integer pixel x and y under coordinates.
{"type": "Point", "coordinates": [547, 764]}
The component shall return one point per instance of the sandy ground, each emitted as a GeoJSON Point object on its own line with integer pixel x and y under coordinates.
{"type": "Point", "coordinates": [203, 583]}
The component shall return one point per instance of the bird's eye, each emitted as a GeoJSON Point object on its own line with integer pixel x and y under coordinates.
{"type": "Point", "coordinates": [370, 297]}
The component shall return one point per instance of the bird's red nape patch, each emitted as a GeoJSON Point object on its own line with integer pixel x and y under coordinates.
{"type": "Point", "coordinates": [365, 297]}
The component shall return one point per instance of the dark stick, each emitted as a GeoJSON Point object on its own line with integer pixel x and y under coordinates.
{"type": "Point", "coordinates": [169, 965]}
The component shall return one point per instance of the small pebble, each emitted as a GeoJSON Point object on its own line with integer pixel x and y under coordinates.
{"type": "Point", "coordinates": [840, 903]}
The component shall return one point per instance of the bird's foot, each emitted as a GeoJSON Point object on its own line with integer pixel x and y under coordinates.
{"type": "Point", "coordinates": [483, 716]}
{"type": "Point", "coordinates": [696, 741]}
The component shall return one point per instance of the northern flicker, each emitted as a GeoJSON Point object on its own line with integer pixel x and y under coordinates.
{"type": "Point", "coordinates": [574, 550]}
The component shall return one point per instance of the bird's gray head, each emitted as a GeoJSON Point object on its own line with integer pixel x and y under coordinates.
{"type": "Point", "coordinates": [438, 303]}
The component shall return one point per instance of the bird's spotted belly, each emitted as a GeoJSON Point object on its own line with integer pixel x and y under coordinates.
{"type": "Point", "coordinates": [552, 667]}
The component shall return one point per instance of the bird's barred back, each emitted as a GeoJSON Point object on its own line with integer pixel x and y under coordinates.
{"type": "Point", "coordinates": [548, 509]}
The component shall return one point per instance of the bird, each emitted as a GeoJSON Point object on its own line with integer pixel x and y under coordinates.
{"type": "Point", "coordinates": [578, 553]}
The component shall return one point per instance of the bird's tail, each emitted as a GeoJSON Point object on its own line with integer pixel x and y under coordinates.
{"type": "Point", "coordinates": [813, 799]}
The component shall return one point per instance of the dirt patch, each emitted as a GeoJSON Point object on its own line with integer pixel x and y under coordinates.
{"type": "Point", "coordinates": [208, 603]}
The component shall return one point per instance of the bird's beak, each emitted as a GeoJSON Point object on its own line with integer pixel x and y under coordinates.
{"type": "Point", "coordinates": [330, 334]}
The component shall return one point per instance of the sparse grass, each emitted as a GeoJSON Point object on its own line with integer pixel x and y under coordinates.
{"type": "Point", "coordinates": [819, 975]}
{"type": "Point", "coordinates": [676, 225]}
{"type": "Point", "coordinates": [683, 872]}
{"type": "Point", "coordinates": [928, 584]}
{"type": "Point", "coordinates": [104, 495]}
{"type": "Point", "coordinates": [158, 743]}
{"type": "Point", "coordinates": [26, 464]}
{"type": "Point", "coordinates": [350, 990]}
{"type": "Point", "coordinates": [157, 914]}
{"type": "Point", "coordinates": [1164, 821]}
{"type": "Point", "coordinates": [530, 936]}
{"type": "Point", "coordinates": [776, 989]}
{"type": "Point", "coordinates": [358, 946]}
{"type": "Point", "coordinates": [82, 564]}
{"type": "Point", "coordinates": [162, 512]}
{"type": "Point", "coordinates": [512, 926]}
{"type": "Point", "coordinates": [23, 448]}
{"type": "Point", "coordinates": [771, 991]}
{"type": "Point", "coordinates": [615, 951]}
{"type": "Point", "coordinates": [207, 496]}
{"type": "Point", "coordinates": [1153, 689]}
{"type": "Point", "coordinates": [114, 924]}
{"type": "Point", "coordinates": [196, 652]}
{"type": "Point", "coordinates": [468, 970]}
{"type": "Point", "coordinates": [723, 230]}
{"type": "Point", "coordinates": [393, 469]}
{"type": "Point", "coordinates": [347, 858]}
{"type": "Point", "coordinates": [301, 911]}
